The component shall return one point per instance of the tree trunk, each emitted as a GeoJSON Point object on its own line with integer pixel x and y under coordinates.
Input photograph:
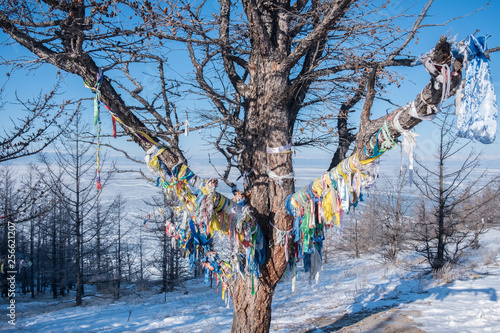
{"type": "Point", "coordinates": [7, 189]}
{"type": "Point", "coordinates": [252, 313]}
{"type": "Point", "coordinates": [164, 275]}
{"type": "Point", "coordinates": [98, 237]}
{"type": "Point", "coordinates": [62, 259]}
{"type": "Point", "coordinates": [54, 254]}
{"type": "Point", "coordinates": [119, 250]}
{"type": "Point", "coordinates": [78, 230]}
{"type": "Point", "coordinates": [171, 270]}
{"type": "Point", "coordinates": [79, 281]}
{"type": "Point", "coordinates": [32, 258]}
{"type": "Point", "coordinates": [439, 260]}
{"type": "Point", "coordinates": [141, 267]}
{"type": "Point", "coordinates": [22, 268]}
{"type": "Point", "coordinates": [356, 238]}
{"type": "Point", "coordinates": [38, 252]}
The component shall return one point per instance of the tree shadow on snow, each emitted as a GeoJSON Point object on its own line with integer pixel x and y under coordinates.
{"type": "Point", "coordinates": [369, 303]}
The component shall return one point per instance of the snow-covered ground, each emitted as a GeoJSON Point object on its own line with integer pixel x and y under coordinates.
{"type": "Point", "coordinates": [353, 295]}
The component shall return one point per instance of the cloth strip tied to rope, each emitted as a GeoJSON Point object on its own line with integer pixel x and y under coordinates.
{"type": "Point", "coordinates": [282, 238]}
{"type": "Point", "coordinates": [408, 144]}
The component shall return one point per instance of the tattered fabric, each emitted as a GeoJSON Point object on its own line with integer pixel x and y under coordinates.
{"type": "Point", "coordinates": [477, 110]}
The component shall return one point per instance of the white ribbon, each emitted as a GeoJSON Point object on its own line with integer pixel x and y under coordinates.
{"type": "Point", "coordinates": [432, 110]}
{"type": "Point", "coordinates": [409, 142]}
{"type": "Point", "coordinates": [147, 159]}
{"type": "Point", "coordinates": [278, 150]}
{"type": "Point", "coordinates": [279, 179]}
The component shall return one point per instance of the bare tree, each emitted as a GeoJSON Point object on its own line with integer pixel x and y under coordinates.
{"type": "Point", "coordinates": [35, 210]}
{"type": "Point", "coordinates": [479, 214]}
{"type": "Point", "coordinates": [387, 214]}
{"type": "Point", "coordinates": [119, 202]}
{"type": "Point", "coordinates": [8, 197]}
{"type": "Point", "coordinates": [447, 221]}
{"type": "Point", "coordinates": [159, 219]}
{"type": "Point", "coordinates": [120, 241]}
{"type": "Point", "coordinates": [356, 234]}
{"type": "Point", "coordinates": [72, 179]}
{"type": "Point", "coordinates": [488, 204]}
{"type": "Point", "coordinates": [101, 240]}
{"type": "Point", "coordinates": [270, 69]}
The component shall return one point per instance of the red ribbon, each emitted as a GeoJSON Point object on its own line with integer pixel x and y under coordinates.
{"type": "Point", "coordinates": [114, 126]}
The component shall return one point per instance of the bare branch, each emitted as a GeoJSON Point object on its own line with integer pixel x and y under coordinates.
{"type": "Point", "coordinates": [337, 11]}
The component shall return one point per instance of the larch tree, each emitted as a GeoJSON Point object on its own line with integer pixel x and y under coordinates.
{"type": "Point", "coordinates": [8, 196]}
{"type": "Point", "coordinates": [274, 72]}
{"type": "Point", "coordinates": [69, 175]}
{"type": "Point", "coordinates": [450, 220]}
{"type": "Point", "coordinates": [158, 221]}
{"type": "Point", "coordinates": [388, 210]}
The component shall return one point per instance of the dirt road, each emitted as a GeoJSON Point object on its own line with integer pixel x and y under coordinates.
{"type": "Point", "coordinates": [388, 320]}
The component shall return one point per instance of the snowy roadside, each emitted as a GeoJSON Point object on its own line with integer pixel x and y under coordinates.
{"type": "Point", "coordinates": [353, 295]}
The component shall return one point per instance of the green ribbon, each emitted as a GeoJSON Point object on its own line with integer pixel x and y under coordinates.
{"type": "Point", "coordinates": [96, 110]}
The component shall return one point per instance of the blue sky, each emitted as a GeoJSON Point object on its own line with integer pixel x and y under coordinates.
{"type": "Point", "coordinates": [486, 21]}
